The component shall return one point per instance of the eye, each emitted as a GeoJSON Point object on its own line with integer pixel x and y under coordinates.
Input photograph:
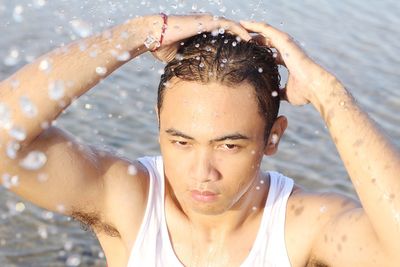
{"type": "Point", "coordinates": [180, 143]}
{"type": "Point", "coordinates": [230, 147]}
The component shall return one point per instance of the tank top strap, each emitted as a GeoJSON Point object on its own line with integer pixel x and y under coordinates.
{"type": "Point", "coordinates": [269, 248]}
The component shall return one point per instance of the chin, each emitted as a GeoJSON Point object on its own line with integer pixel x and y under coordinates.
{"type": "Point", "coordinates": [209, 209]}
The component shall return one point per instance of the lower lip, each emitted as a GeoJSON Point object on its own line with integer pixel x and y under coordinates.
{"type": "Point", "coordinates": [204, 197]}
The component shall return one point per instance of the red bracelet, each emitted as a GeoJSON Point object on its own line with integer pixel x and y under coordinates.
{"type": "Point", "coordinates": [163, 29]}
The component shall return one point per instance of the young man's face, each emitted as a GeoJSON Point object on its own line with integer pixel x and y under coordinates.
{"type": "Point", "coordinates": [212, 143]}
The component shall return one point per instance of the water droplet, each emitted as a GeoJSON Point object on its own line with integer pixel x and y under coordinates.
{"type": "Point", "coordinates": [82, 28]}
{"type": "Point", "coordinates": [201, 65]}
{"type": "Point", "coordinates": [12, 149]}
{"type": "Point", "coordinates": [45, 65]}
{"type": "Point", "coordinates": [42, 231]}
{"type": "Point", "coordinates": [88, 106]}
{"type": "Point", "coordinates": [73, 260]}
{"type": "Point", "coordinates": [68, 245]}
{"type": "Point", "coordinates": [274, 93]}
{"type": "Point", "coordinates": [60, 208]}
{"type": "Point", "coordinates": [12, 58]}
{"type": "Point", "coordinates": [257, 188]}
{"type": "Point", "coordinates": [27, 107]}
{"type": "Point", "coordinates": [18, 133]}
{"type": "Point", "coordinates": [19, 207]}
{"type": "Point", "coordinates": [101, 71]}
{"type": "Point", "coordinates": [221, 30]}
{"type": "Point", "coordinates": [5, 117]}
{"type": "Point", "coordinates": [224, 60]}
{"type": "Point", "coordinates": [132, 170]}
{"type": "Point", "coordinates": [14, 180]}
{"type": "Point", "coordinates": [274, 139]}
{"type": "Point", "coordinates": [341, 103]}
{"type": "Point", "coordinates": [124, 56]}
{"type": "Point", "coordinates": [17, 13]}
{"type": "Point", "coordinates": [34, 160]}
{"type": "Point", "coordinates": [39, 3]}
{"type": "Point", "coordinates": [56, 90]}
{"type": "Point", "coordinates": [262, 181]}
{"type": "Point", "coordinates": [322, 209]}
{"type": "Point", "coordinates": [260, 70]}
{"type": "Point", "coordinates": [254, 208]}
{"type": "Point", "coordinates": [234, 44]}
{"type": "Point", "coordinates": [47, 215]}
{"type": "Point", "coordinates": [6, 180]}
{"type": "Point", "coordinates": [215, 32]}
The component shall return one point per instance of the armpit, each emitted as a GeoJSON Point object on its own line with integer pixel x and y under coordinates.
{"type": "Point", "coordinates": [313, 262]}
{"type": "Point", "coordinates": [92, 221]}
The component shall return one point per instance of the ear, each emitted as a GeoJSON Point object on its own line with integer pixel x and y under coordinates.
{"type": "Point", "coordinates": [276, 133]}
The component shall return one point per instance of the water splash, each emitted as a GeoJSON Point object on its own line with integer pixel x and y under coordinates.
{"type": "Point", "coordinates": [39, 3]}
{"type": "Point", "coordinates": [73, 260]}
{"type": "Point", "coordinates": [42, 232]}
{"type": "Point", "coordinates": [19, 207]}
{"type": "Point", "coordinates": [5, 117]}
{"type": "Point", "coordinates": [56, 90]}
{"type": "Point", "coordinates": [12, 149]}
{"type": "Point", "coordinates": [45, 66]}
{"type": "Point", "coordinates": [18, 133]}
{"type": "Point", "coordinates": [101, 71]}
{"type": "Point", "coordinates": [9, 181]}
{"type": "Point", "coordinates": [82, 28]}
{"type": "Point", "coordinates": [27, 107]}
{"type": "Point", "coordinates": [132, 170]}
{"type": "Point", "coordinates": [17, 13]}
{"type": "Point", "coordinates": [34, 160]}
{"type": "Point", "coordinates": [12, 58]}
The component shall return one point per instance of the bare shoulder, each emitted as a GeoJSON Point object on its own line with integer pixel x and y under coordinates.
{"type": "Point", "coordinates": [127, 185]}
{"type": "Point", "coordinates": [332, 229]}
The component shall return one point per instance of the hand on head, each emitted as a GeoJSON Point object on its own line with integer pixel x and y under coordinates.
{"type": "Point", "coordinates": [305, 76]}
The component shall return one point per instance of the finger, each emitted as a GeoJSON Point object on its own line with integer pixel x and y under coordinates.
{"type": "Point", "coordinates": [261, 40]}
{"type": "Point", "coordinates": [281, 41]}
{"type": "Point", "coordinates": [236, 29]}
{"type": "Point", "coordinates": [283, 95]}
{"type": "Point", "coordinates": [278, 58]}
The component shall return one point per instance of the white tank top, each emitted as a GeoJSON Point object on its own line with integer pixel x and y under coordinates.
{"type": "Point", "coordinates": [153, 246]}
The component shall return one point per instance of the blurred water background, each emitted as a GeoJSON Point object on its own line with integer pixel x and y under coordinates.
{"type": "Point", "coordinates": [357, 40]}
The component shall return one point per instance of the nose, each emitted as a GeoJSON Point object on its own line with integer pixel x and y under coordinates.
{"type": "Point", "coordinates": [203, 167]}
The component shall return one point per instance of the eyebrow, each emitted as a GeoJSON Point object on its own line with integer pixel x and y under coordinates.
{"type": "Point", "coordinates": [235, 136]}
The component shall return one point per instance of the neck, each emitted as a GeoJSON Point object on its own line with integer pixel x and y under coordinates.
{"type": "Point", "coordinates": [217, 227]}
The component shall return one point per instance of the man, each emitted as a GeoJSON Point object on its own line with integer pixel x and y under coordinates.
{"type": "Point", "coordinates": [205, 202]}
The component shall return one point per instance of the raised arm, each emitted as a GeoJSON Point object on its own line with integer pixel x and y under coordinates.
{"type": "Point", "coordinates": [69, 175]}
{"type": "Point", "coordinates": [371, 235]}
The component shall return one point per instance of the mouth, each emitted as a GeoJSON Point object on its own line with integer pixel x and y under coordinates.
{"type": "Point", "coordinates": [204, 196]}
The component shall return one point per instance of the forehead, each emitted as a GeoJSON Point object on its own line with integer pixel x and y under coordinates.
{"type": "Point", "coordinates": [210, 108]}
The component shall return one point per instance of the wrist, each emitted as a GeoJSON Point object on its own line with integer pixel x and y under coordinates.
{"type": "Point", "coordinates": [154, 30]}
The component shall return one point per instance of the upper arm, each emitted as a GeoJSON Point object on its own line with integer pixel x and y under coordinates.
{"type": "Point", "coordinates": [70, 177]}
{"type": "Point", "coordinates": [75, 177]}
{"type": "Point", "coordinates": [348, 239]}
